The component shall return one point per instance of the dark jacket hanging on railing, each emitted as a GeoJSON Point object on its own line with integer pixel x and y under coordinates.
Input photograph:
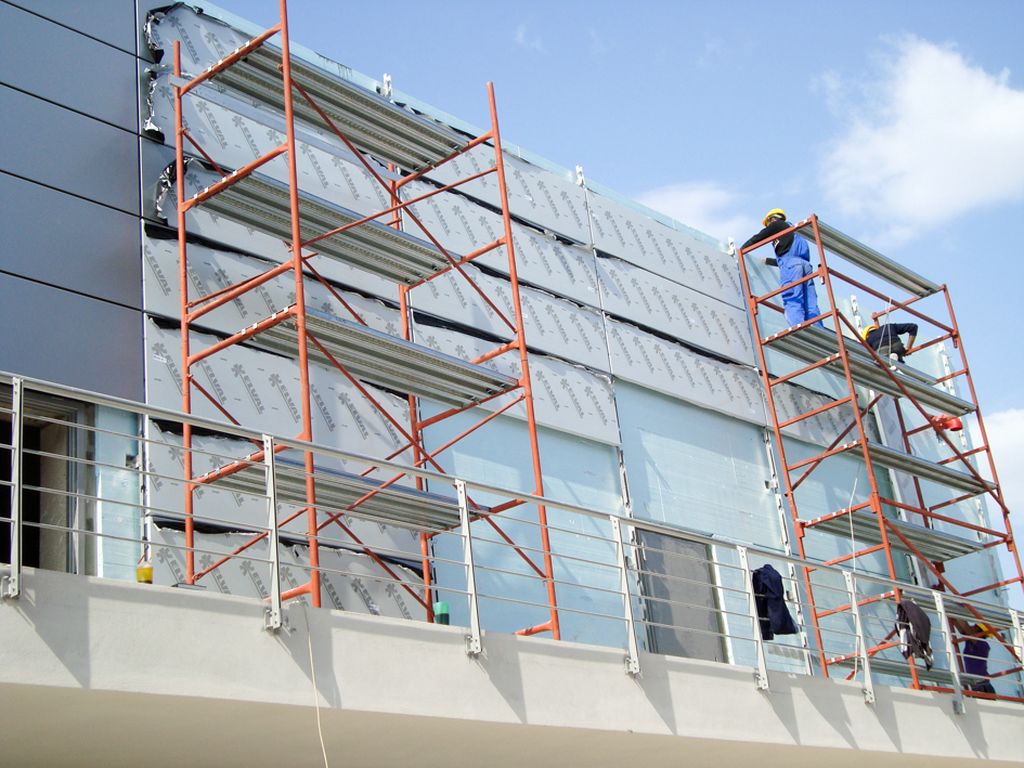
{"type": "Point", "coordinates": [914, 629]}
{"type": "Point", "coordinates": [770, 600]}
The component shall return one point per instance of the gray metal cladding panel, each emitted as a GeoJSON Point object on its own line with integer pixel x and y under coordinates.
{"type": "Point", "coordinates": [538, 196]}
{"type": "Point", "coordinates": [211, 270]}
{"type": "Point", "coordinates": [567, 397]}
{"type": "Point", "coordinates": [351, 581]}
{"type": "Point", "coordinates": [263, 391]}
{"type": "Point", "coordinates": [245, 238]}
{"type": "Point", "coordinates": [686, 259]}
{"type": "Point", "coordinates": [553, 324]}
{"type": "Point", "coordinates": [215, 502]}
{"type": "Point", "coordinates": [83, 342]}
{"type": "Point", "coordinates": [672, 369]}
{"type": "Point", "coordinates": [67, 241]}
{"type": "Point", "coordinates": [656, 302]}
{"type": "Point", "coordinates": [112, 21]}
{"type": "Point", "coordinates": [69, 151]}
{"type": "Point", "coordinates": [462, 226]}
{"type": "Point", "coordinates": [63, 66]}
{"type": "Point", "coordinates": [235, 131]}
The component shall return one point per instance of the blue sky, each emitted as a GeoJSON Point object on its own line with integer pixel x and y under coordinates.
{"type": "Point", "coordinates": [899, 122]}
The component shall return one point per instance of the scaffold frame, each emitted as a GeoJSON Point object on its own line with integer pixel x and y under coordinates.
{"type": "Point", "coordinates": [353, 349]}
{"type": "Point", "coordinates": [868, 380]}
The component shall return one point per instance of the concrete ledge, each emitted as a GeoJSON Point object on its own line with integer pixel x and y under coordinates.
{"type": "Point", "coordinates": [103, 672]}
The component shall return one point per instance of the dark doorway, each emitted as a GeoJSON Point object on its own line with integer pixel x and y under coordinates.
{"type": "Point", "coordinates": [45, 500]}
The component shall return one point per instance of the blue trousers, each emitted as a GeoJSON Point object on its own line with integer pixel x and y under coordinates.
{"type": "Point", "coordinates": [799, 301]}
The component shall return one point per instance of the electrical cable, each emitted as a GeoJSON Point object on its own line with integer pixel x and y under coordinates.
{"type": "Point", "coordinates": [853, 540]}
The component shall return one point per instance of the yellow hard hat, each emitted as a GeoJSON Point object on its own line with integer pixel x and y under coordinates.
{"type": "Point", "coordinates": [772, 212]}
{"type": "Point", "coordinates": [868, 329]}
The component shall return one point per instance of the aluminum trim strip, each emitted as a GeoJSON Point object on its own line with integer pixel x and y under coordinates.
{"type": "Point", "coordinates": [874, 262]}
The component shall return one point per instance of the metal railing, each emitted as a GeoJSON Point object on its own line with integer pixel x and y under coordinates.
{"type": "Point", "coordinates": [93, 484]}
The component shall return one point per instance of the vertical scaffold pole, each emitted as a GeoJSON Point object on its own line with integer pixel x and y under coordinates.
{"type": "Point", "coordinates": [524, 381]}
{"type": "Point", "coordinates": [300, 310]}
{"type": "Point", "coordinates": [186, 370]}
{"type": "Point", "coordinates": [12, 587]}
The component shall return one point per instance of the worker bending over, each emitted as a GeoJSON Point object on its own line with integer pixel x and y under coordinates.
{"type": "Point", "coordinates": [793, 258]}
{"type": "Point", "coordinates": [885, 339]}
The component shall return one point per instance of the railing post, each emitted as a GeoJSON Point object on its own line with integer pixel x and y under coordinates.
{"type": "Point", "coordinates": [954, 667]}
{"type": "Point", "coordinates": [273, 619]}
{"type": "Point", "coordinates": [761, 675]}
{"type": "Point", "coordinates": [11, 588]}
{"type": "Point", "coordinates": [632, 650]}
{"type": "Point", "coordinates": [1018, 633]}
{"type": "Point", "coordinates": [862, 644]}
{"type": "Point", "coordinates": [473, 644]}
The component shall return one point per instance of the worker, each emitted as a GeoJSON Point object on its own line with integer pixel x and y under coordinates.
{"type": "Point", "coordinates": [885, 339]}
{"type": "Point", "coordinates": [974, 653]}
{"type": "Point", "coordinates": [793, 258]}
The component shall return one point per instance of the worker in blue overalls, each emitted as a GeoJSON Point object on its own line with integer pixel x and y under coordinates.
{"type": "Point", "coordinates": [793, 258]}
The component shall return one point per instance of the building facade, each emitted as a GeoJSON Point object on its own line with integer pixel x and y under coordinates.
{"type": "Point", "coordinates": [636, 410]}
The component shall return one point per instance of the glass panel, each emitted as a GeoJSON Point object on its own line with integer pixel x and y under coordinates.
{"type": "Point", "coordinates": [512, 595]}
{"type": "Point", "coordinates": [696, 468]}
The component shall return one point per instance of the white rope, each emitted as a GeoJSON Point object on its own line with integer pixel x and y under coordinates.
{"type": "Point", "coordinates": [316, 693]}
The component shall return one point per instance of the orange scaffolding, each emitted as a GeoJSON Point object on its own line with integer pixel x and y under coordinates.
{"type": "Point", "coordinates": [359, 353]}
{"type": "Point", "coordinates": [918, 527]}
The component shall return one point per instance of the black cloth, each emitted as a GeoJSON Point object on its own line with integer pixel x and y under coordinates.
{"type": "Point", "coordinates": [914, 629]}
{"type": "Point", "coordinates": [770, 600]}
{"type": "Point", "coordinates": [781, 245]}
{"type": "Point", "coordinates": [886, 338]}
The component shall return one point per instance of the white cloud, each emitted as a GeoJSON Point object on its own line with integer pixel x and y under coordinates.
{"type": "Point", "coordinates": [1006, 439]}
{"type": "Point", "coordinates": [524, 40]}
{"type": "Point", "coordinates": [933, 136]}
{"type": "Point", "coordinates": [703, 205]}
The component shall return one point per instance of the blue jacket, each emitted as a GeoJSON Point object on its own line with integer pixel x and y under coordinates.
{"type": "Point", "coordinates": [770, 599]}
